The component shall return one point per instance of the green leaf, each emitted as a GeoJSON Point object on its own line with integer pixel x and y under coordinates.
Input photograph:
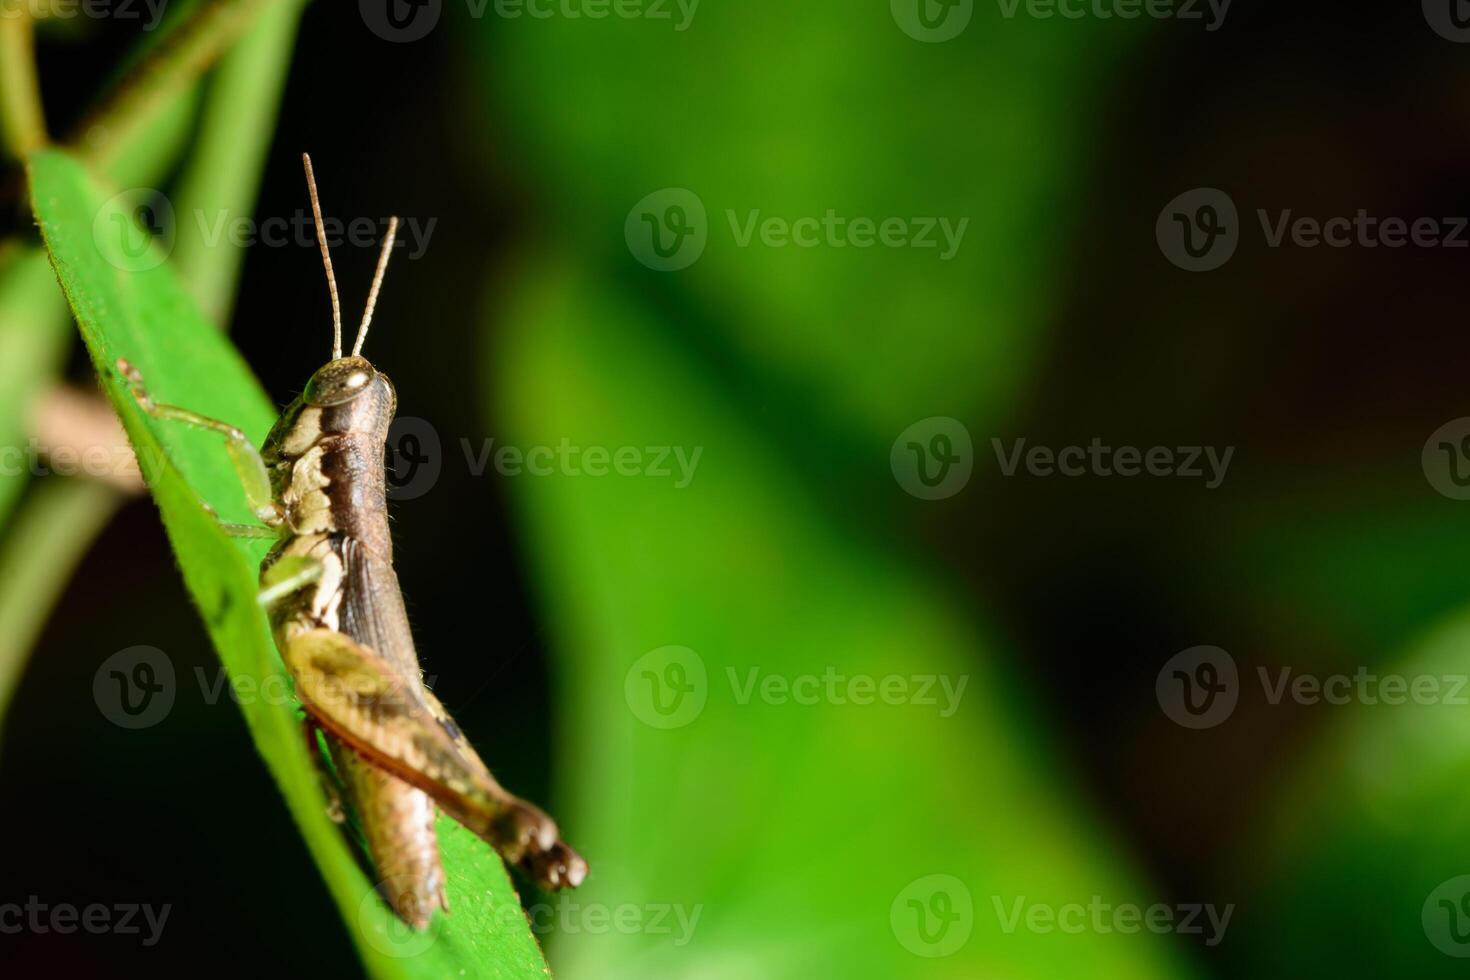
{"type": "Point", "coordinates": [788, 836]}
{"type": "Point", "coordinates": [799, 832]}
{"type": "Point", "coordinates": [227, 157]}
{"type": "Point", "coordinates": [162, 70]}
{"type": "Point", "coordinates": [129, 305]}
{"type": "Point", "coordinates": [877, 127]}
{"type": "Point", "coordinates": [1352, 860]}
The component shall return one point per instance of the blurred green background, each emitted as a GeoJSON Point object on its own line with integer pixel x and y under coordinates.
{"type": "Point", "coordinates": [833, 839]}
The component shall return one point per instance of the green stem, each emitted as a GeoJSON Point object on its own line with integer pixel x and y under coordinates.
{"type": "Point", "coordinates": [152, 84]}
{"type": "Point", "coordinates": [224, 170]}
{"type": "Point", "coordinates": [22, 122]}
{"type": "Point", "coordinates": [51, 532]}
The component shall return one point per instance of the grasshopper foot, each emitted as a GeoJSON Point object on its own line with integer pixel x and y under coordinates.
{"type": "Point", "coordinates": [556, 867]}
{"type": "Point", "coordinates": [529, 838]}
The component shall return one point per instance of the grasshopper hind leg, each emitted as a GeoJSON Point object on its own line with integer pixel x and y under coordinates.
{"type": "Point", "coordinates": [394, 722]}
{"type": "Point", "coordinates": [524, 834]}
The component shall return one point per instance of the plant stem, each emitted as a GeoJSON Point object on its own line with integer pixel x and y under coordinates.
{"type": "Point", "coordinates": [22, 122]}
{"type": "Point", "coordinates": [51, 532]}
{"type": "Point", "coordinates": [162, 74]}
{"type": "Point", "coordinates": [223, 173]}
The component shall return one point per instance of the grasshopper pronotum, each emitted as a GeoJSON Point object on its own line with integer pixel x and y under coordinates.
{"type": "Point", "coordinates": [318, 487]}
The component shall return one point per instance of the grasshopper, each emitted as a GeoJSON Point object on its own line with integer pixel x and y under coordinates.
{"type": "Point", "coordinates": [318, 488]}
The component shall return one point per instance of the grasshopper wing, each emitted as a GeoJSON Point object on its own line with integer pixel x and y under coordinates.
{"type": "Point", "coordinates": [393, 722]}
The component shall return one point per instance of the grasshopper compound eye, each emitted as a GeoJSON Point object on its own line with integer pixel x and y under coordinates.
{"type": "Point", "coordinates": [340, 381]}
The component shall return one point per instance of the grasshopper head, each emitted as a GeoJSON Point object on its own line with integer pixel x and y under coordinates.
{"type": "Point", "coordinates": [356, 395]}
{"type": "Point", "coordinates": [340, 381]}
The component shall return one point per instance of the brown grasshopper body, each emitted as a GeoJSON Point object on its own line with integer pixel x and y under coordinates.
{"type": "Point", "coordinates": [319, 486]}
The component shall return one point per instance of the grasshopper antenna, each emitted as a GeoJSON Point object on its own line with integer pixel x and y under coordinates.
{"type": "Point", "coordinates": [372, 300]}
{"type": "Point", "coordinates": [321, 240]}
